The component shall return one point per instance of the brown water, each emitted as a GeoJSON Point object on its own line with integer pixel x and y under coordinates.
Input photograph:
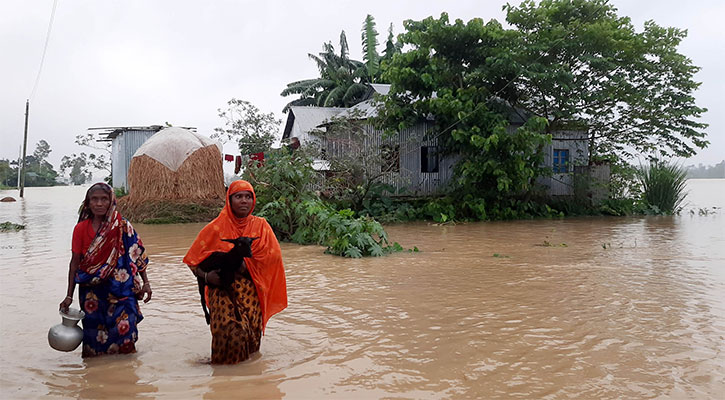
{"type": "Point", "coordinates": [642, 318]}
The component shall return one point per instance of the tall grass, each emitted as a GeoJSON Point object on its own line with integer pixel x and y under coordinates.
{"type": "Point", "coordinates": [663, 185]}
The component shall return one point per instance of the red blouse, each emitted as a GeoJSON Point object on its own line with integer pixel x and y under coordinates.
{"type": "Point", "coordinates": [83, 235]}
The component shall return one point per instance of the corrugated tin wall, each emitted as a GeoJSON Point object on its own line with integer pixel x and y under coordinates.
{"type": "Point", "coordinates": [410, 180]}
{"type": "Point", "coordinates": [123, 148]}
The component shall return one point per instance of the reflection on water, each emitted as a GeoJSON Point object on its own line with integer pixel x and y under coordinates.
{"type": "Point", "coordinates": [575, 308]}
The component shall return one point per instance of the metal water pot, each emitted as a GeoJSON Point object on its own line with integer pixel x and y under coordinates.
{"type": "Point", "coordinates": [67, 335]}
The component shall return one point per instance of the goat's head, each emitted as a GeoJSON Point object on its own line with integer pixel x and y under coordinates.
{"type": "Point", "coordinates": [245, 243]}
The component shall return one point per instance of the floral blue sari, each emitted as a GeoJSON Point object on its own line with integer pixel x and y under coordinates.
{"type": "Point", "coordinates": [108, 293]}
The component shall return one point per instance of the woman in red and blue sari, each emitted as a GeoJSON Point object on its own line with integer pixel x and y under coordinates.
{"type": "Point", "coordinates": [109, 265]}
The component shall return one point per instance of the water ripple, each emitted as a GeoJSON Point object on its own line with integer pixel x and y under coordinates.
{"type": "Point", "coordinates": [576, 308]}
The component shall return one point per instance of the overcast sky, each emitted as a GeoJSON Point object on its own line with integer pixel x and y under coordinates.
{"type": "Point", "coordinates": [144, 62]}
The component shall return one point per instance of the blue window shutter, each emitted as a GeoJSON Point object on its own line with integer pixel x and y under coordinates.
{"type": "Point", "coordinates": [560, 162]}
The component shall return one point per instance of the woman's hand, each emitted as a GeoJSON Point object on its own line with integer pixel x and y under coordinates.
{"type": "Point", "coordinates": [212, 278]}
{"type": "Point", "coordinates": [66, 303]}
{"type": "Point", "coordinates": [145, 292]}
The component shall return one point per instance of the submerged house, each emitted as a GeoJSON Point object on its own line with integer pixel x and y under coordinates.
{"type": "Point", "coordinates": [410, 160]}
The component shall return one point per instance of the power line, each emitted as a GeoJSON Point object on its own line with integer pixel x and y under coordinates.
{"type": "Point", "coordinates": [45, 48]}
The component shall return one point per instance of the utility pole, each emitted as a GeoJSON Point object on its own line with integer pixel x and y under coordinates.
{"type": "Point", "coordinates": [25, 145]}
{"type": "Point", "coordinates": [20, 154]}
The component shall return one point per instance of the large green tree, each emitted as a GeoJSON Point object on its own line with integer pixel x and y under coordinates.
{"type": "Point", "coordinates": [579, 64]}
{"type": "Point", "coordinates": [458, 73]}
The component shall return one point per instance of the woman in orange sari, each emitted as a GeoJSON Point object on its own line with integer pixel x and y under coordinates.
{"type": "Point", "coordinates": [259, 287]}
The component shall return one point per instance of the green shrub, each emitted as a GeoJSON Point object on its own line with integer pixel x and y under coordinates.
{"type": "Point", "coordinates": [120, 192]}
{"type": "Point", "coordinates": [287, 199]}
{"type": "Point", "coordinates": [663, 186]}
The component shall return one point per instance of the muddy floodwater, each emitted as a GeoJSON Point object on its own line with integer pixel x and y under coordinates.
{"type": "Point", "coordinates": [581, 308]}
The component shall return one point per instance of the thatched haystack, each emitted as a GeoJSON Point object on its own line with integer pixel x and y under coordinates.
{"type": "Point", "coordinates": [175, 176]}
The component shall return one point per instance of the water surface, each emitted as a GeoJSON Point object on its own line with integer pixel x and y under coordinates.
{"type": "Point", "coordinates": [572, 308]}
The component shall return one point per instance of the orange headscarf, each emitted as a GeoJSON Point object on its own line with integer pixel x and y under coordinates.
{"type": "Point", "coordinates": [265, 266]}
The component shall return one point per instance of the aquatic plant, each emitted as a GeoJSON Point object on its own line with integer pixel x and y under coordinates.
{"type": "Point", "coordinates": [547, 243]}
{"type": "Point", "coordinates": [663, 186]}
{"type": "Point", "coordinates": [8, 226]}
{"type": "Point", "coordinates": [704, 211]}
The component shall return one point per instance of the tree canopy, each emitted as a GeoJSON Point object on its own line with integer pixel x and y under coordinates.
{"type": "Point", "coordinates": [566, 64]}
{"type": "Point", "coordinates": [578, 63]}
{"type": "Point", "coordinates": [458, 73]}
{"type": "Point", "coordinates": [80, 167]}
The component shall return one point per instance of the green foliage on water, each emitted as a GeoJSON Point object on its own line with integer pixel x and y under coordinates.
{"type": "Point", "coordinates": [547, 243]}
{"type": "Point", "coordinates": [286, 198]}
{"type": "Point", "coordinates": [705, 211]}
{"type": "Point", "coordinates": [8, 226]}
{"type": "Point", "coordinates": [458, 207]}
{"type": "Point", "coordinates": [663, 186]}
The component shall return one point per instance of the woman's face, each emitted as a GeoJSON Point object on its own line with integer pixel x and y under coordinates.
{"type": "Point", "coordinates": [241, 203]}
{"type": "Point", "coordinates": [99, 201]}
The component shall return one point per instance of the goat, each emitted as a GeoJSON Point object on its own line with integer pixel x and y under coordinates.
{"type": "Point", "coordinates": [227, 265]}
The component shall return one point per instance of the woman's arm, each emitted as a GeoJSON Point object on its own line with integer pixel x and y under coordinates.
{"type": "Point", "coordinates": [146, 288]}
{"type": "Point", "coordinates": [208, 277]}
{"type": "Point", "coordinates": [75, 261]}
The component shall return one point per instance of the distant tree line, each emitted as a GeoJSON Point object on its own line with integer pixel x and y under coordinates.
{"type": "Point", "coordinates": [39, 172]}
{"type": "Point", "coordinates": [716, 171]}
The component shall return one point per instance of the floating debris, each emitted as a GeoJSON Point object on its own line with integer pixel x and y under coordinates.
{"type": "Point", "coordinates": [8, 226]}
{"type": "Point", "coordinates": [549, 244]}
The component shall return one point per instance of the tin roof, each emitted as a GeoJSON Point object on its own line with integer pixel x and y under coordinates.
{"type": "Point", "coordinates": [112, 132]}
{"type": "Point", "coordinates": [307, 118]}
